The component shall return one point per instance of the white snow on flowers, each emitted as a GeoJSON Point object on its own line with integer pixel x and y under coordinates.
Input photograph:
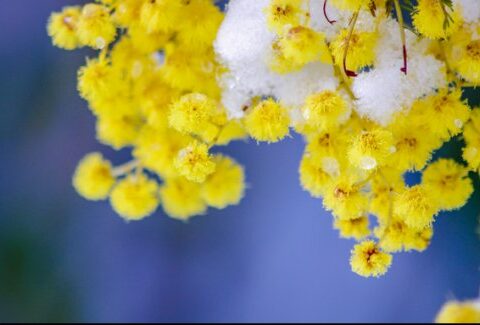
{"type": "Point", "coordinates": [244, 47]}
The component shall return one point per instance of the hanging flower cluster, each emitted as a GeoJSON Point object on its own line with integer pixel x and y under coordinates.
{"type": "Point", "coordinates": [375, 87]}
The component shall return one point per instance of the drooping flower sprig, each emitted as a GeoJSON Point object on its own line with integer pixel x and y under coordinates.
{"type": "Point", "coordinates": [373, 95]}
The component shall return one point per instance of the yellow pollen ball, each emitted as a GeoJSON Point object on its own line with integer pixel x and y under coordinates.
{"type": "Point", "coordinates": [226, 185]}
{"type": "Point", "coordinates": [468, 62]}
{"type": "Point", "coordinates": [93, 177]}
{"type": "Point", "coordinates": [194, 162]}
{"type": "Point", "coordinates": [62, 28]}
{"type": "Point", "coordinates": [268, 121]}
{"type": "Point", "coordinates": [182, 199]}
{"type": "Point", "coordinates": [371, 149]}
{"type": "Point", "coordinates": [325, 110]}
{"type": "Point", "coordinates": [430, 20]}
{"type": "Point", "coordinates": [448, 183]}
{"type": "Point", "coordinates": [135, 197]}
{"type": "Point", "coordinates": [368, 260]}
{"type": "Point", "coordinates": [353, 228]}
{"type": "Point", "coordinates": [416, 207]}
{"type": "Point", "coordinates": [298, 46]}
{"type": "Point", "coordinates": [95, 26]}
{"type": "Point", "coordinates": [191, 113]}
{"type": "Point", "coordinates": [281, 13]}
{"type": "Point", "coordinates": [457, 312]}
{"type": "Point", "coordinates": [312, 176]}
{"type": "Point", "coordinates": [361, 49]}
{"type": "Point", "coordinates": [344, 197]}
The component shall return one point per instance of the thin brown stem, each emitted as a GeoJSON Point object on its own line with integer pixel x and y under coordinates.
{"type": "Point", "coordinates": [353, 22]}
{"type": "Point", "coordinates": [401, 24]}
{"type": "Point", "coordinates": [331, 22]}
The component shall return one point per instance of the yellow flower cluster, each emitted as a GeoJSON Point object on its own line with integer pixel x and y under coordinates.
{"type": "Point", "coordinates": [358, 168]}
{"type": "Point", "coordinates": [153, 89]}
{"type": "Point", "coordinates": [357, 165]}
{"type": "Point", "coordinates": [457, 312]}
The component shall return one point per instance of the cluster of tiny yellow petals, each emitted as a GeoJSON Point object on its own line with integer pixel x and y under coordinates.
{"type": "Point", "coordinates": [361, 49]}
{"type": "Point", "coordinates": [468, 65]}
{"type": "Point", "coordinates": [368, 260]}
{"type": "Point", "coordinates": [416, 206]}
{"type": "Point", "coordinates": [182, 199]}
{"type": "Point", "coordinates": [194, 162]}
{"type": "Point", "coordinates": [345, 198]}
{"type": "Point", "coordinates": [226, 185]}
{"type": "Point", "coordinates": [62, 28]}
{"type": "Point", "coordinates": [93, 177]}
{"type": "Point", "coordinates": [353, 228]}
{"type": "Point", "coordinates": [135, 197]}
{"type": "Point", "coordinates": [458, 312]}
{"type": "Point", "coordinates": [447, 108]}
{"type": "Point", "coordinates": [430, 19]}
{"type": "Point", "coordinates": [297, 47]}
{"type": "Point", "coordinates": [448, 184]}
{"type": "Point", "coordinates": [191, 113]}
{"type": "Point", "coordinates": [313, 177]}
{"type": "Point", "coordinates": [325, 110]}
{"type": "Point", "coordinates": [267, 121]}
{"type": "Point", "coordinates": [281, 13]}
{"type": "Point", "coordinates": [371, 149]}
{"type": "Point", "coordinates": [95, 26]}
{"type": "Point", "coordinates": [414, 140]}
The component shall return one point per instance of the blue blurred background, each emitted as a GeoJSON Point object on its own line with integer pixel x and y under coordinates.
{"type": "Point", "coordinates": [275, 257]}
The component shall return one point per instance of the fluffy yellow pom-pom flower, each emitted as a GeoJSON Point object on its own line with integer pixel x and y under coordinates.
{"type": "Point", "coordinates": [182, 199]}
{"type": "Point", "coordinates": [371, 149]}
{"type": "Point", "coordinates": [118, 131]}
{"type": "Point", "coordinates": [297, 47]}
{"type": "Point", "coordinates": [445, 112]}
{"type": "Point", "coordinates": [313, 177]}
{"type": "Point", "coordinates": [281, 13]}
{"type": "Point", "coordinates": [467, 312]}
{"type": "Point", "coordinates": [430, 19]}
{"type": "Point", "coordinates": [268, 121]}
{"type": "Point", "coordinates": [159, 15]}
{"type": "Point", "coordinates": [353, 228]}
{"type": "Point", "coordinates": [135, 197]}
{"type": "Point", "coordinates": [226, 185]}
{"type": "Point", "coordinates": [448, 183]}
{"type": "Point", "coordinates": [194, 162]}
{"type": "Point", "coordinates": [93, 177]}
{"type": "Point", "coordinates": [191, 113]}
{"type": "Point", "coordinates": [361, 49]}
{"type": "Point", "coordinates": [467, 61]}
{"type": "Point", "coordinates": [95, 26]}
{"type": "Point", "coordinates": [326, 109]}
{"type": "Point", "coordinates": [416, 207]}
{"type": "Point", "coordinates": [62, 28]}
{"type": "Point", "coordinates": [344, 197]}
{"type": "Point", "coordinates": [368, 260]}
{"type": "Point", "coordinates": [157, 149]}
{"type": "Point", "coordinates": [414, 141]}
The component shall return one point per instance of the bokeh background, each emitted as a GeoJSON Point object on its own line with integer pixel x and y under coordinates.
{"type": "Point", "coordinates": [275, 257]}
